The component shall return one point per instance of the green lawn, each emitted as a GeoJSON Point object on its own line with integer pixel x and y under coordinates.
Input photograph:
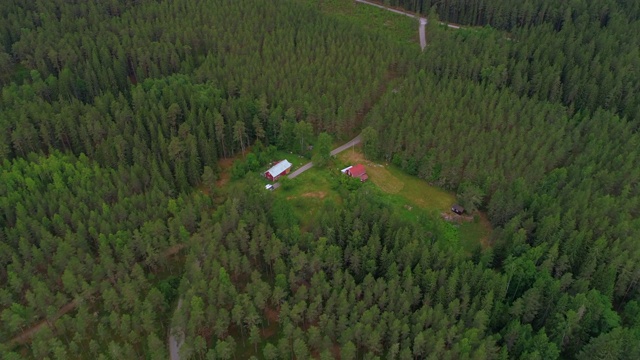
{"type": "Point", "coordinates": [415, 198]}
{"type": "Point", "coordinates": [293, 158]}
{"type": "Point", "coordinates": [412, 198]}
{"type": "Point", "coordinates": [308, 192]}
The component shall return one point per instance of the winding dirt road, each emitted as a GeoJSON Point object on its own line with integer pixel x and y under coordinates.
{"type": "Point", "coordinates": [176, 338]}
{"type": "Point", "coordinates": [421, 27]}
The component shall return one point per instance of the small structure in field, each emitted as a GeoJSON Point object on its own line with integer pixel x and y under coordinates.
{"type": "Point", "coordinates": [281, 168]}
{"type": "Point", "coordinates": [357, 171]}
{"type": "Point", "coordinates": [457, 209]}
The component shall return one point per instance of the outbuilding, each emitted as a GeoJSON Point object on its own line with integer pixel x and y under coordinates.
{"type": "Point", "coordinates": [281, 168]}
{"type": "Point", "coordinates": [357, 171]}
{"type": "Point", "coordinates": [457, 209]}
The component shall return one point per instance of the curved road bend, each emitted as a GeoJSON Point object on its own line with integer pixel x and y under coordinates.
{"type": "Point", "coordinates": [423, 21]}
{"type": "Point", "coordinates": [356, 140]}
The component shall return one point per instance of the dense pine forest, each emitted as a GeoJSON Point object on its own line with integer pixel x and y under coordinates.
{"type": "Point", "coordinates": [115, 231]}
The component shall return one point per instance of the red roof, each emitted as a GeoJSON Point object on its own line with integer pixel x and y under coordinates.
{"type": "Point", "coordinates": [357, 170]}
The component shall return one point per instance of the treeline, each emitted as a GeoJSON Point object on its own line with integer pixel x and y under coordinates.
{"type": "Point", "coordinates": [586, 57]}
{"type": "Point", "coordinates": [509, 14]}
{"type": "Point", "coordinates": [359, 284]}
{"type": "Point", "coordinates": [322, 68]}
{"type": "Point", "coordinates": [556, 155]}
{"type": "Point", "coordinates": [112, 113]}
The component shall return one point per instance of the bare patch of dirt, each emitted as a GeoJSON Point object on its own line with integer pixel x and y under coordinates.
{"type": "Point", "coordinates": [225, 174]}
{"type": "Point", "coordinates": [315, 194]}
{"type": "Point", "coordinates": [174, 249]}
{"type": "Point", "coordinates": [335, 350]}
{"type": "Point", "coordinates": [272, 315]}
{"type": "Point", "coordinates": [453, 217]}
{"type": "Point", "coordinates": [27, 334]}
{"type": "Point", "coordinates": [225, 167]}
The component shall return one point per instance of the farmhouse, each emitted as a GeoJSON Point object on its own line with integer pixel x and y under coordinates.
{"type": "Point", "coordinates": [457, 209]}
{"type": "Point", "coordinates": [281, 168]}
{"type": "Point", "coordinates": [357, 171]}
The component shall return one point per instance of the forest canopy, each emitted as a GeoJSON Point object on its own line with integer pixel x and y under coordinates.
{"type": "Point", "coordinates": [115, 231]}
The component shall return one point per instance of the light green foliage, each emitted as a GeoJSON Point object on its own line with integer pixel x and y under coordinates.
{"type": "Point", "coordinates": [322, 150]}
{"type": "Point", "coordinates": [470, 197]}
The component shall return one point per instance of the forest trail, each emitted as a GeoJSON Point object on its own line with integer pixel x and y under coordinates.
{"type": "Point", "coordinates": [26, 335]}
{"type": "Point", "coordinates": [176, 343]}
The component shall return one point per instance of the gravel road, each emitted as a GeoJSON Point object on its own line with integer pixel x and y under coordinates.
{"type": "Point", "coordinates": [356, 140]}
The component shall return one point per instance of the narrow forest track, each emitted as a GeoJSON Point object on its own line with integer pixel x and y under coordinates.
{"type": "Point", "coordinates": [26, 335]}
{"type": "Point", "coordinates": [175, 338]}
{"type": "Point", "coordinates": [423, 21]}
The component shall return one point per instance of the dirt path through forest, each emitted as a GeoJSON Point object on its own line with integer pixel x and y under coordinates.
{"type": "Point", "coordinates": [26, 335]}
{"type": "Point", "coordinates": [176, 338]}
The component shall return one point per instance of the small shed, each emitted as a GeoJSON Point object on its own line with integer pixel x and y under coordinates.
{"type": "Point", "coordinates": [358, 171]}
{"type": "Point", "coordinates": [281, 168]}
{"type": "Point", "coordinates": [457, 209]}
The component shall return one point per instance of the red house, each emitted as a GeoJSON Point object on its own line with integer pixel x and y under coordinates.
{"type": "Point", "coordinates": [357, 171]}
{"type": "Point", "coordinates": [279, 169]}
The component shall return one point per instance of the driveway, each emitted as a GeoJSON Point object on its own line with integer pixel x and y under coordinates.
{"type": "Point", "coordinates": [355, 141]}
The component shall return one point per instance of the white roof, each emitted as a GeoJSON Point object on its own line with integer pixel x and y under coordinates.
{"type": "Point", "coordinates": [345, 169]}
{"type": "Point", "coordinates": [278, 168]}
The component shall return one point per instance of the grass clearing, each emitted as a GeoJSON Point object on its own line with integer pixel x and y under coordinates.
{"type": "Point", "coordinates": [392, 180]}
{"type": "Point", "coordinates": [295, 159]}
{"type": "Point", "coordinates": [308, 193]}
{"type": "Point", "coordinates": [411, 194]}
{"type": "Point", "coordinates": [399, 28]}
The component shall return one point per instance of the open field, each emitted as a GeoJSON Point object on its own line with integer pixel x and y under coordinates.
{"type": "Point", "coordinates": [308, 192]}
{"type": "Point", "coordinates": [406, 191]}
{"type": "Point", "coordinates": [394, 181]}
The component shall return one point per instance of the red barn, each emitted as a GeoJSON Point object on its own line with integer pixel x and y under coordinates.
{"type": "Point", "coordinates": [279, 169]}
{"type": "Point", "coordinates": [358, 171]}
